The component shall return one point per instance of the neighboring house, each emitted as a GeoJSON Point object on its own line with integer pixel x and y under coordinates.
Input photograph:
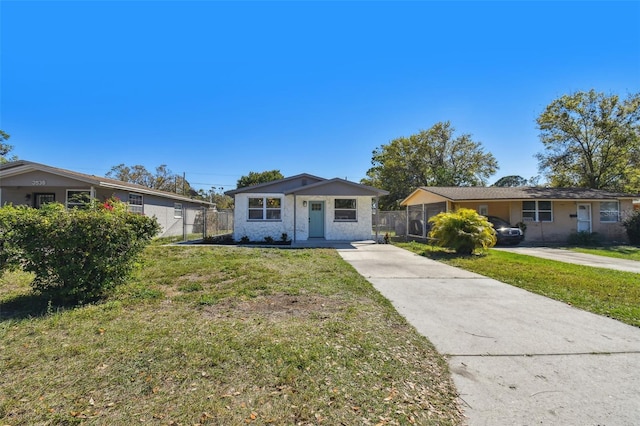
{"type": "Point", "coordinates": [550, 214]}
{"type": "Point", "coordinates": [33, 184]}
{"type": "Point", "coordinates": [304, 207]}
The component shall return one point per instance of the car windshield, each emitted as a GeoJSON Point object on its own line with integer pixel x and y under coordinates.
{"type": "Point", "coordinates": [499, 223]}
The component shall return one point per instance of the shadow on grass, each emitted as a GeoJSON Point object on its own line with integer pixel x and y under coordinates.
{"type": "Point", "coordinates": [31, 305]}
{"type": "Point", "coordinates": [438, 253]}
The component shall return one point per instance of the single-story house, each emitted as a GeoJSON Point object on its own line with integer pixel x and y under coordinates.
{"type": "Point", "coordinates": [33, 184]}
{"type": "Point", "coordinates": [550, 214]}
{"type": "Point", "coordinates": [304, 207]}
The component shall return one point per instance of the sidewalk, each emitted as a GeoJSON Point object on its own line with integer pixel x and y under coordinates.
{"type": "Point", "coordinates": [516, 358]}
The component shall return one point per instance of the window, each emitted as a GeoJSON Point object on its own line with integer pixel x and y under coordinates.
{"type": "Point", "coordinates": [537, 211]}
{"type": "Point", "coordinates": [265, 208]}
{"type": "Point", "coordinates": [177, 210]}
{"type": "Point", "coordinates": [135, 203]}
{"type": "Point", "coordinates": [78, 198]}
{"type": "Point", "coordinates": [609, 211]}
{"type": "Point", "coordinates": [483, 209]}
{"type": "Point", "coordinates": [345, 210]}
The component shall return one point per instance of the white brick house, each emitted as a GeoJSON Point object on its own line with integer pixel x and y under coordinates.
{"type": "Point", "coordinates": [304, 207]}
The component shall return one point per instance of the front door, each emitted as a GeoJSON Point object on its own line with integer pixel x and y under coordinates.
{"type": "Point", "coordinates": [584, 217]}
{"type": "Point", "coordinates": [316, 219]}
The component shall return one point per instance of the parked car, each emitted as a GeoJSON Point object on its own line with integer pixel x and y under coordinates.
{"type": "Point", "coordinates": [506, 233]}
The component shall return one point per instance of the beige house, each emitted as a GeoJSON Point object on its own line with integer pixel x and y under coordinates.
{"type": "Point", "coordinates": [550, 214]}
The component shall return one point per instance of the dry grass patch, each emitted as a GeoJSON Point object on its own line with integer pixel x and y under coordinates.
{"type": "Point", "coordinates": [221, 336]}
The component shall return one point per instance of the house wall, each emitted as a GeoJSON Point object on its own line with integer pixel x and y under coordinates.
{"type": "Point", "coordinates": [564, 222]}
{"type": "Point", "coordinates": [359, 230]}
{"type": "Point", "coordinates": [258, 230]}
{"type": "Point", "coordinates": [21, 190]}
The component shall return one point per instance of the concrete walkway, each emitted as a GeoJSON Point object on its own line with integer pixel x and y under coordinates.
{"type": "Point", "coordinates": [516, 358]}
{"type": "Point", "coordinates": [569, 256]}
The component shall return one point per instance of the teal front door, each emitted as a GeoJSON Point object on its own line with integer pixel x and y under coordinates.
{"type": "Point", "coordinates": [316, 219]}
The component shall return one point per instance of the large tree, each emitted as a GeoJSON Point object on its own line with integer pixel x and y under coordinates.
{"type": "Point", "coordinates": [5, 148]}
{"type": "Point", "coordinates": [163, 179]}
{"type": "Point", "coordinates": [433, 157]}
{"type": "Point", "coordinates": [255, 178]}
{"type": "Point", "coordinates": [511, 181]}
{"type": "Point", "coordinates": [591, 140]}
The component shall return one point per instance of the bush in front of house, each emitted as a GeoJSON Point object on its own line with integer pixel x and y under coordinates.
{"type": "Point", "coordinates": [76, 255]}
{"type": "Point", "coordinates": [632, 225]}
{"type": "Point", "coordinates": [463, 231]}
{"type": "Point", "coordinates": [584, 239]}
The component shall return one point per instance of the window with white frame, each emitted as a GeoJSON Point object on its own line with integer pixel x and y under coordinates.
{"type": "Point", "coordinates": [537, 211]}
{"type": "Point", "coordinates": [609, 211]}
{"type": "Point", "coordinates": [78, 198]}
{"type": "Point", "coordinates": [177, 210]}
{"type": "Point", "coordinates": [265, 208]}
{"type": "Point", "coordinates": [136, 203]}
{"type": "Point", "coordinates": [345, 210]}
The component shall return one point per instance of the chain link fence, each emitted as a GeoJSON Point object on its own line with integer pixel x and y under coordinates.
{"type": "Point", "coordinates": [201, 223]}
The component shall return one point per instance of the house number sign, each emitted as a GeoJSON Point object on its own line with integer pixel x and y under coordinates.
{"type": "Point", "coordinates": [38, 182]}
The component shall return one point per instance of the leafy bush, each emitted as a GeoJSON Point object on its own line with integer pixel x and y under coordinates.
{"type": "Point", "coordinates": [584, 238]}
{"type": "Point", "coordinates": [632, 225]}
{"type": "Point", "coordinates": [76, 255]}
{"type": "Point", "coordinates": [463, 230]}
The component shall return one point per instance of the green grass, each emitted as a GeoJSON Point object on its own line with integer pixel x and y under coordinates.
{"type": "Point", "coordinates": [220, 336]}
{"type": "Point", "coordinates": [606, 292]}
{"type": "Point", "coordinates": [620, 252]}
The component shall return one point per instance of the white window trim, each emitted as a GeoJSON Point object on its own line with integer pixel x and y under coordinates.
{"type": "Point", "coordinates": [135, 208]}
{"type": "Point", "coordinates": [66, 201]}
{"type": "Point", "coordinates": [336, 209]}
{"type": "Point", "coordinates": [177, 210]}
{"type": "Point", "coordinates": [617, 211]}
{"type": "Point", "coordinates": [264, 209]}
{"type": "Point", "coordinates": [537, 211]}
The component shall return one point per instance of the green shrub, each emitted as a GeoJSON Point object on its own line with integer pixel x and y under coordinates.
{"type": "Point", "coordinates": [76, 255]}
{"type": "Point", "coordinates": [632, 225]}
{"type": "Point", "coordinates": [9, 254]}
{"type": "Point", "coordinates": [584, 238]}
{"type": "Point", "coordinates": [463, 231]}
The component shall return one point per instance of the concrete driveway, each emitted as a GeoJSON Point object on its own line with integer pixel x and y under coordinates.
{"type": "Point", "coordinates": [516, 358]}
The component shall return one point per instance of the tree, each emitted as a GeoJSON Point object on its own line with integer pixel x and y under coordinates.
{"type": "Point", "coordinates": [254, 178]}
{"type": "Point", "coordinates": [591, 140]}
{"type": "Point", "coordinates": [5, 148]}
{"type": "Point", "coordinates": [432, 157]}
{"type": "Point", "coordinates": [162, 180]}
{"type": "Point", "coordinates": [512, 180]}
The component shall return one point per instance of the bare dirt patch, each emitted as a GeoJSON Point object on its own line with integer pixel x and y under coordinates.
{"type": "Point", "coordinates": [279, 305]}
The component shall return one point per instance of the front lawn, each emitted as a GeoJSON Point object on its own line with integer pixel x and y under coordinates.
{"type": "Point", "coordinates": [606, 292]}
{"type": "Point", "coordinates": [221, 336]}
{"type": "Point", "coordinates": [620, 252]}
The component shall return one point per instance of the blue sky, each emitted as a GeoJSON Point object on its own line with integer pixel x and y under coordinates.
{"type": "Point", "coordinates": [218, 89]}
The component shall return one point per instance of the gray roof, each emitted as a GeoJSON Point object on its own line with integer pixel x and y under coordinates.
{"type": "Point", "coordinates": [306, 184]}
{"type": "Point", "coordinates": [467, 193]}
